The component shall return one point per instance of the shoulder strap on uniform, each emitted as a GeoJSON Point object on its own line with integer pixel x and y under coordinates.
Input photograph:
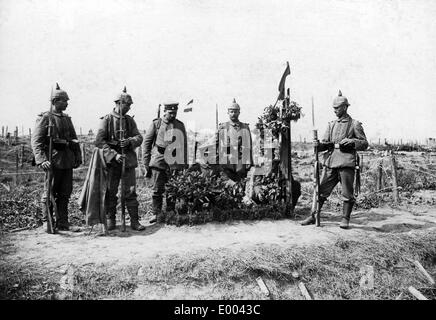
{"type": "Point", "coordinates": [331, 129]}
{"type": "Point", "coordinates": [350, 123]}
{"type": "Point", "coordinates": [159, 121]}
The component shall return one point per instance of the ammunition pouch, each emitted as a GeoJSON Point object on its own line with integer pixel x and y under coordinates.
{"type": "Point", "coordinates": [60, 144]}
{"type": "Point", "coordinates": [325, 146]}
{"type": "Point", "coordinates": [348, 149]}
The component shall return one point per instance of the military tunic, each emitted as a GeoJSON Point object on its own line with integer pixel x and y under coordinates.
{"type": "Point", "coordinates": [157, 140]}
{"type": "Point", "coordinates": [108, 139]}
{"type": "Point", "coordinates": [234, 138]}
{"type": "Point", "coordinates": [338, 163]}
{"type": "Point", "coordinates": [66, 155]}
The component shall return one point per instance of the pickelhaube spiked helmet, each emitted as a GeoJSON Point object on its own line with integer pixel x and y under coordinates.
{"type": "Point", "coordinates": [234, 105]}
{"type": "Point", "coordinates": [124, 96]}
{"type": "Point", "coordinates": [340, 100]}
{"type": "Point", "coordinates": [59, 93]}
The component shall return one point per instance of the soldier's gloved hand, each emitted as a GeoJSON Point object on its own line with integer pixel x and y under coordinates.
{"type": "Point", "coordinates": [46, 165]}
{"type": "Point", "coordinates": [125, 143]}
{"type": "Point", "coordinates": [120, 157]}
{"type": "Point", "coordinates": [347, 144]}
{"type": "Point", "coordinates": [73, 142]}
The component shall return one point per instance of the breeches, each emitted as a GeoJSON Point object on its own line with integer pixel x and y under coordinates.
{"type": "Point", "coordinates": [331, 177]}
{"type": "Point", "coordinates": [158, 178]}
{"type": "Point", "coordinates": [62, 184]}
{"type": "Point", "coordinates": [113, 180]}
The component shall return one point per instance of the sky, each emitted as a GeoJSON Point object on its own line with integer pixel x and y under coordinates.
{"type": "Point", "coordinates": [380, 54]}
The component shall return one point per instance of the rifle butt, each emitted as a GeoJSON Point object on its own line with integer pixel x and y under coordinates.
{"type": "Point", "coordinates": [123, 200]}
{"type": "Point", "coordinates": [316, 193]}
{"type": "Point", "coordinates": [50, 228]}
{"type": "Point", "coordinates": [48, 204]}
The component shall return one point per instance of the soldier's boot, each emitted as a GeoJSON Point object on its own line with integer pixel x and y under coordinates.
{"type": "Point", "coordinates": [171, 206]}
{"type": "Point", "coordinates": [110, 218]}
{"type": "Point", "coordinates": [346, 213]}
{"type": "Point", "coordinates": [156, 208]}
{"type": "Point", "coordinates": [134, 219]}
{"type": "Point", "coordinates": [62, 219]}
{"type": "Point", "coordinates": [311, 219]}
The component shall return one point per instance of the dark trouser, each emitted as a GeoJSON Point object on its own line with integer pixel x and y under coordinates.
{"type": "Point", "coordinates": [330, 179]}
{"type": "Point", "coordinates": [113, 180]}
{"type": "Point", "coordinates": [159, 178]}
{"type": "Point", "coordinates": [62, 186]}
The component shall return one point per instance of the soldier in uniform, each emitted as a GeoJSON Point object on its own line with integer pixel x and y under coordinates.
{"type": "Point", "coordinates": [66, 155]}
{"type": "Point", "coordinates": [234, 138]}
{"type": "Point", "coordinates": [162, 133]}
{"type": "Point", "coordinates": [108, 139]}
{"type": "Point", "coordinates": [341, 140]}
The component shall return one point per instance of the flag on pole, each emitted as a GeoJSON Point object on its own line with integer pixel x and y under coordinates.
{"type": "Point", "coordinates": [190, 108]}
{"type": "Point", "coordinates": [282, 82]}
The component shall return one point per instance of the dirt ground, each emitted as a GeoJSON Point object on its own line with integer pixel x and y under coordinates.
{"type": "Point", "coordinates": [48, 251]}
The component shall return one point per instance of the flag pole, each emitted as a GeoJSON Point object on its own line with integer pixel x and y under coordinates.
{"type": "Point", "coordinates": [216, 116]}
{"type": "Point", "coordinates": [288, 102]}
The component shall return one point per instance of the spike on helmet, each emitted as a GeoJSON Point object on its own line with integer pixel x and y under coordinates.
{"type": "Point", "coordinates": [340, 100]}
{"type": "Point", "coordinates": [234, 105]}
{"type": "Point", "coordinates": [123, 96]}
{"type": "Point", "coordinates": [59, 93]}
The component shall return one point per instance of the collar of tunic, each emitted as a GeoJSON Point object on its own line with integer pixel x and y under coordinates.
{"type": "Point", "coordinates": [344, 118]}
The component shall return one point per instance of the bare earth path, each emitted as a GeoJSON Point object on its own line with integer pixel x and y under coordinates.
{"type": "Point", "coordinates": [53, 251]}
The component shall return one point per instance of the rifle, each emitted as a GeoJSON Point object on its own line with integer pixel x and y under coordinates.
{"type": "Point", "coordinates": [49, 176]}
{"type": "Point", "coordinates": [357, 164]}
{"type": "Point", "coordinates": [315, 203]}
{"type": "Point", "coordinates": [123, 168]}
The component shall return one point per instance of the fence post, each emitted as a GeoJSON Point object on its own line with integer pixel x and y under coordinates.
{"type": "Point", "coordinates": [22, 155]}
{"type": "Point", "coordinates": [380, 174]}
{"type": "Point", "coordinates": [16, 167]}
{"type": "Point", "coordinates": [394, 178]}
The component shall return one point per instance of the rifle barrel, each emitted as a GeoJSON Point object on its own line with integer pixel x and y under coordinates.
{"type": "Point", "coordinates": [123, 170]}
{"type": "Point", "coordinates": [50, 225]}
